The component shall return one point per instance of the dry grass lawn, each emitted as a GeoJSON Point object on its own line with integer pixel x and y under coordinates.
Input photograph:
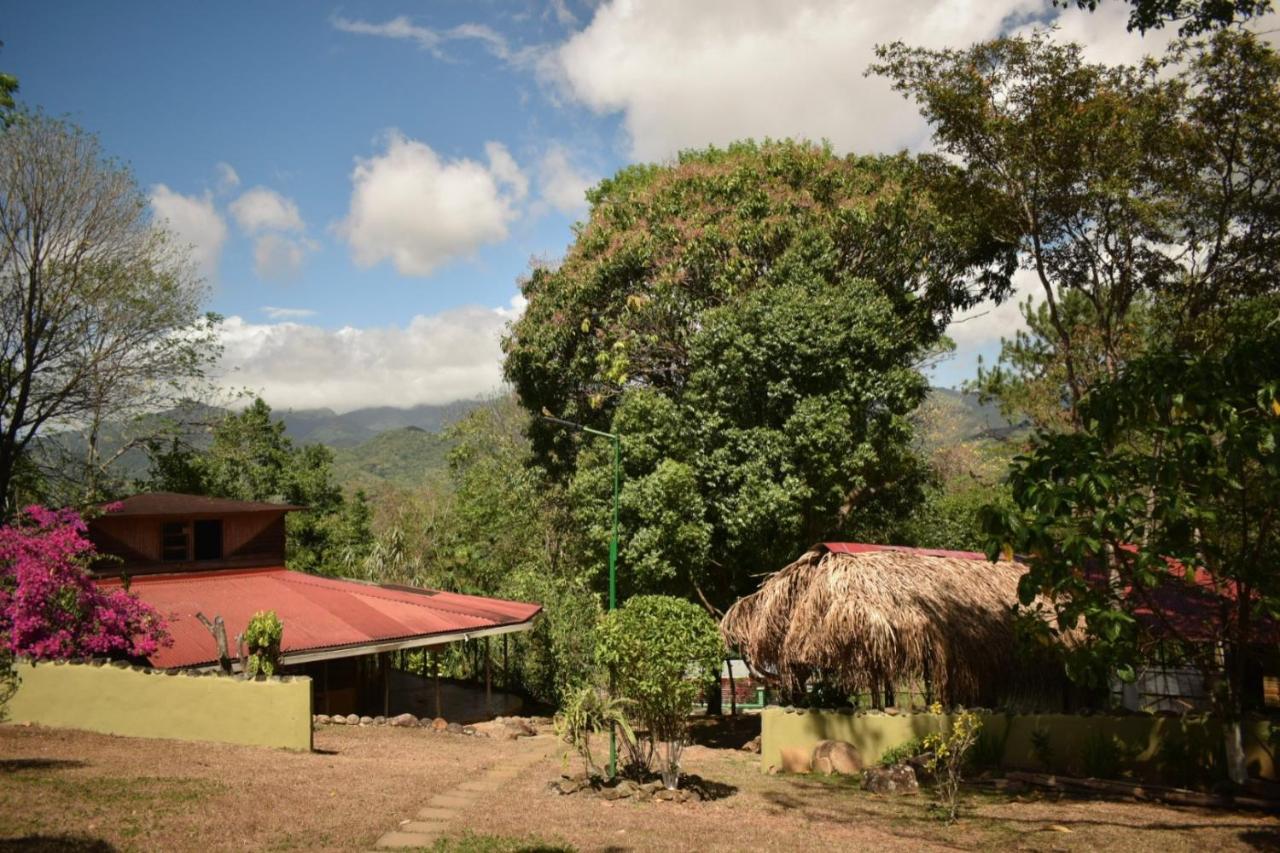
{"type": "Point", "coordinates": [136, 794]}
{"type": "Point", "coordinates": [96, 792]}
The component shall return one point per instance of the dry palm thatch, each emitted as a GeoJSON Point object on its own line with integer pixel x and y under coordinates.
{"type": "Point", "coordinates": [866, 620]}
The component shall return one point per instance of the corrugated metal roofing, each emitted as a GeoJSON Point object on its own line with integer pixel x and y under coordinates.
{"type": "Point", "coordinates": [318, 613]}
{"type": "Point", "coordinates": [173, 503]}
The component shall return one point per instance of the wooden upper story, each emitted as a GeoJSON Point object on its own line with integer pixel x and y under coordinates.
{"type": "Point", "coordinates": [168, 532]}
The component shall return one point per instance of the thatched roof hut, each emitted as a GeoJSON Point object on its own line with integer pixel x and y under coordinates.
{"type": "Point", "coordinates": [868, 616]}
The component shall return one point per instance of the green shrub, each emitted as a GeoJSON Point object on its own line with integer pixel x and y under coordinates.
{"type": "Point", "coordinates": [1042, 749]}
{"type": "Point", "coordinates": [588, 711]}
{"type": "Point", "coordinates": [988, 751]}
{"type": "Point", "coordinates": [900, 753]}
{"type": "Point", "coordinates": [262, 642]}
{"type": "Point", "coordinates": [660, 653]}
{"type": "Point", "coordinates": [1103, 756]}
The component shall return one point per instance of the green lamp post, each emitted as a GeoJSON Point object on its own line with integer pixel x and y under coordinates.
{"type": "Point", "coordinates": [613, 546]}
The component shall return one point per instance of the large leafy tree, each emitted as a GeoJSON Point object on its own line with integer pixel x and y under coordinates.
{"type": "Point", "coordinates": [8, 87]}
{"type": "Point", "coordinates": [1141, 197]}
{"type": "Point", "coordinates": [1192, 16]}
{"type": "Point", "coordinates": [99, 310]}
{"type": "Point", "coordinates": [1160, 523]}
{"type": "Point", "coordinates": [750, 320]}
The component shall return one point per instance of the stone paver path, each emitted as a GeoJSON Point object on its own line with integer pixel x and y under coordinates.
{"type": "Point", "coordinates": [441, 811]}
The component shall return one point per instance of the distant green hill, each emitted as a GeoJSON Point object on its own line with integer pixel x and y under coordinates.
{"type": "Point", "coordinates": [408, 457]}
{"type": "Point", "coordinates": [949, 417]}
{"type": "Point", "coordinates": [406, 448]}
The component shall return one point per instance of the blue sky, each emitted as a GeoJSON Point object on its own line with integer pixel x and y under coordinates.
{"type": "Point", "coordinates": [364, 183]}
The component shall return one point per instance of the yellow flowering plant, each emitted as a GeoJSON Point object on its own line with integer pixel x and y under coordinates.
{"type": "Point", "coordinates": [947, 751]}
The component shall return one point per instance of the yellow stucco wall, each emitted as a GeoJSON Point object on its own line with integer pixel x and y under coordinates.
{"type": "Point", "coordinates": [1142, 738]}
{"type": "Point", "coordinates": [127, 701]}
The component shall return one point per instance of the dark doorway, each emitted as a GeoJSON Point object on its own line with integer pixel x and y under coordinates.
{"type": "Point", "coordinates": [208, 540]}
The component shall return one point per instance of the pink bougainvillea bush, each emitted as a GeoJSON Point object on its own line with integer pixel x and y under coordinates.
{"type": "Point", "coordinates": [50, 609]}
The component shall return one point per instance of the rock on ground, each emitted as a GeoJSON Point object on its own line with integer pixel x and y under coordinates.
{"type": "Point", "coordinates": [796, 759]}
{"type": "Point", "coordinates": [833, 756]}
{"type": "Point", "coordinates": [899, 779]}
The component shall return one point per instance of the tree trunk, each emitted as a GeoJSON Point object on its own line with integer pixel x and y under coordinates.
{"type": "Point", "coordinates": [1237, 772]}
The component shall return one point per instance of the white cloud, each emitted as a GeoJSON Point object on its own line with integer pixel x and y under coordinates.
{"type": "Point", "coordinates": [562, 184]}
{"type": "Point", "coordinates": [563, 14]}
{"type": "Point", "coordinates": [434, 359]}
{"type": "Point", "coordinates": [687, 74]}
{"type": "Point", "coordinates": [195, 222]}
{"type": "Point", "coordinates": [504, 169]}
{"type": "Point", "coordinates": [433, 40]}
{"type": "Point", "coordinates": [987, 323]}
{"type": "Point", "coordinates": [228, 177]}
{"type": "Point", "coordinates": [418, 210]}
{"type": "Point", "coordinates": [262, 209]}
{"type": "Point", "coordinates": [280, 258]}
{"type": "Point", "coordinates": [276, 313]}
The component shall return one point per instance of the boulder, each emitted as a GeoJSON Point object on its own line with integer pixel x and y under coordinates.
{"type": "Point", "coordinates": [752, 745]}
{"type": "Point", "coordinates": [366, 721]}
{"type": "Point", "coordinates": [320, 719]}
{"type": "Point", "coordinates": [404, 720]}
{"type": "Point", "coordinates": [796, 759]}
{"type": "Point", "coordinates": [833, 756]}
{"type": "Point", "coordinates": [353, 720]}
{"type": "Point", "coordinates": [571, 786]}
{"type": "Point", "coordinates": [379, 721]}
{"type": "Point", "coordinates": [439, 724]}
{"type": "Point", "coordinates": [453, 728]}
{"type": "Point", "coordinates": [335, 720]}
{"type": "Point", "coordinates": [899, 779]}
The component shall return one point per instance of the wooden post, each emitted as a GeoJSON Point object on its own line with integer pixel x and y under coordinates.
{"type": "Point", "coordinates": [435, 671]}
{"type": "Point", "coordinates": [488, 681]}
{"type": "Point", "coordinates": [733, 688]}
{"type": "Point", "coordinates": [325, 673]}
{"type": "Point", "coordinates": [386, 683]}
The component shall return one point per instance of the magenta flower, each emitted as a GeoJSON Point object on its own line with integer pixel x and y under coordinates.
{"type": "Point", "coordinates": [50, 608]}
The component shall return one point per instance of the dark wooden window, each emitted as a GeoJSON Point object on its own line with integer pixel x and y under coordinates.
{"type": "Point", "coordinates": [173, 542]}
{"type": "Point", "coordinates": [208, 539]}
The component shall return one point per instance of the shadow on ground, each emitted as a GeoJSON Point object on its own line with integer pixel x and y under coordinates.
{"type": "Point", "coordinates": [1261, 839]}
{"type": "Point", "coordinates": [15, 765]}
{"type": "Point", "coordinates": [724, 732]}
{"type": "Point", "coordinates": [56, 844]}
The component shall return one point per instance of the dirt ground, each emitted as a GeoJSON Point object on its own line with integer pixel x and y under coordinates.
{"type": "Point", "coordinates": [83, 791]}
{"type": "Point", "coordinates": [94, 790]}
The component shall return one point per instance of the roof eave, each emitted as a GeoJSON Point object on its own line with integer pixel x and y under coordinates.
{"type": "Point", "coordinates": [391, 645]}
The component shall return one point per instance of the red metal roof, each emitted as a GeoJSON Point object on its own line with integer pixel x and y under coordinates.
{"type": "Point", "coordinates": [318, 613]}
{"type": "Point", "coordinates": [173, 503]}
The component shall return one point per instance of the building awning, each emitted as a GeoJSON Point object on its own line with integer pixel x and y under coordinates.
{"type": "Point", "coordinates": [323, 617]}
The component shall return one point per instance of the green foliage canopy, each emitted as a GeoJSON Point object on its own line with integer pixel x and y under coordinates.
{"type": "Point", "coordinates": [1180, 462]}
{"type": "Point", "coordinates": [1192, 16]}
{"type": "Point", "coordinates": [750, 321]}
{"type": "Point", "coordinates": [1141, 197]}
